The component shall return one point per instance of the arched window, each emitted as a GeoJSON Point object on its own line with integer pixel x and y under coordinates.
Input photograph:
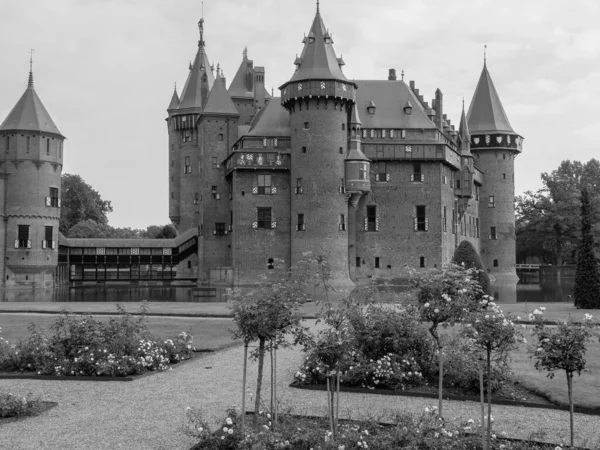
{"type": "Point", "coordinates": [189, 264]}
{"type": "Point", "coordinates": [220, 136]}
{"type": "Point", "coordinates": [495, 263]}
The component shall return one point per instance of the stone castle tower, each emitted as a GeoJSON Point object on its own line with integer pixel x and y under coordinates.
{"type": "Point", "coordinates": [495, 146]}
{"type": "Point", "coordinates": [30, 175]}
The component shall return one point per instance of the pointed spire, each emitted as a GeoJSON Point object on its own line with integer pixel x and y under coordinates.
{"type": "Point", "coordinates": [30, 81]}
{"type": "Point", "coordinates": [463, 128]}
{"type": "Point", "coordinates": [174, 104]}
{"type": "Point", "coordinates": [245, 53]}
{"type": "Point", "coordinates": [318, 7]}
{"type": "Point", "coordinates": [486, 113]}
{"type": "Point", "coordinates": [201, 30]}
{"type": "Point", "coordinates": [219, 102]}
{"type": "Point", "coordinates": [485, 55]}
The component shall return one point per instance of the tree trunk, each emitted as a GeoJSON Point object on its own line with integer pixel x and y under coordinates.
{"type": "Point", "coordinates": [243, 415]}
{"type": "Point", "coordinates": [441, 380]}
{"type": "Point", "coordinates": [570, 387]}
{"type": "Point", "coordinates": [480, 364]}
{"type": "Point", "coordinates": [329, 411]}
{"type": "Point", "coordinates": [337, 399]}
{"type": "Point", "coordinates": [271, 355]}
{"type": "Point", "coordinates": [489, 388]}
{"type": "Point", "coordinates": [261, 363]}
{"type": "Point", "coordinates": [274, 414]}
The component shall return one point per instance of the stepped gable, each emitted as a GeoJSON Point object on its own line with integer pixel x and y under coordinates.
{"type": "Point", "coordinates": [242, 85]}
{"type": "Point", "coordinates": [191, 96]}
{"type": "Point", "coordinates": [219, 102]}
{"type": "Point", "coordinates": [486, 113]}
{"type": "Point", "coordinates": [318, 59]}
{"type": "Point", "coordinates": [389, 99]}
{"type": "Point", "coordinates": [30, 114]}
{"type": "Point", "coordinates": [272, 120]}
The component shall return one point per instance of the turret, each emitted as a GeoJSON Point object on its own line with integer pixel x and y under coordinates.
{"type": "Point", "coordinates": [358, 181]}
{"type": "Point", "coordinates": [30, 192]}
{"type": "Point", "coordinates": [495, 145]}
{"type": "Point", "coordinates": [319, 98]}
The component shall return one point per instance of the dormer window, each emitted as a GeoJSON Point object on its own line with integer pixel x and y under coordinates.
{"type": "Point", "coordinates": [371, 108]}
{"type": "Point", "coordinates": [408, 108]}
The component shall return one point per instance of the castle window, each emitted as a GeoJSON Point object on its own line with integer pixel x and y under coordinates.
{"type": "Point", "coordinates": [343, 127]}
{"type": "Point", "coordinates": [303, 149]}
{"type": "Point", "coordinates": [420, 220]}
{"type": "Point", "coordinates": [187, 135]}
{"type": "Point", "coordinates": [453, 221]}
{"type": "Point", "coordinates": [504, 176]}
{"type": "Point", "coordinates": [215, 162]}
{"type": "Point", "coordinates": [495, 263]}
{"type": "Point", "coordinates": [196, 198]}
{"type": "Point", "coordinates": [417, 176]}
{"type": "Point", "coordinates": [189, 264]}
{"type": "Point", "coordinates": [343, 187]}
{"type": "Point", "coordinates": [341, 150]}
{"type": "Point", "coordinates": [477, 227]}
{"type": "Point", "coordinates": [357, 261]}
{"type": "Point", "coordinates": [7, 143]}
{"type": "Point", "coordinates": [422, 261]}
{"type": "Point", "coordinates": [372, 221]}
{"type": "Point", "coordinates": [362, 172]}
{"type": "Point", "coordinates": [187, 167]}
{"type": "Point", "coordinates": [22, 237]}
{"type": "Point", "coordinates": [342, 222]}
{"type": "Point", "coordinates": [47, 146]}
{"type": "Point", "coordinates": [60, 144]}
{"type": "Point", "coordinates": [220, 137]}
{"type": "Point", "coordinates": [28, 144]}
{"type": "Point", "coordinates": [172, 163]}
{"type": "Point", "coordinates": [444, 179]}
{"type": "Point", "coordinates": [54, 202]}
{"type": "Point", "coordinates": [171, 195]}
{"type": "Point", "coordinates": [48, 241]}
{"type": "Point", "coordinates": [213, 191]}
{"type": "Point", "coordinates": [403, 134]}
{"type": "Point", "coordinates": [264, 184]}
{"type": "Point", "coordinates": [444, 223]}
{"type": "Point", "coordinates": [270, 264]}
{"type": "Point", "coordinates": [493, 235]}
{"type": "Point", "coordinates": [219, 229]}
{"type": "Point", "coordinates": [301, 226]}
{"type": "Point", "coordinates": [298, 185]}
{"type": "Point", "coordinates": [263, 218]}
{"type": "Point", "coordinates": [382, 174]}
{"type": "Point", "coordinates": [492, 202]}
{"type": "Point", "coordinates": [377, 262]}
{"type": "Point", "coordinates": [476, 192]}
{"type": "Point", "coordinates": [306, 125]}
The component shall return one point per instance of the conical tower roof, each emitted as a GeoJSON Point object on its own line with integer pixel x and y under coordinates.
{"type": "Point", "coordinates": [318, 59]}
{"type": "Point", "coordinates": [174, 101]}
{"type": "Point", "coordinates": [486, 114]}
{"type": "Point", "coordinates": [463, 128]}
{"type": "Point", "coordinates": [29, 114]}
{"type": "Point", "coordinates": [219, 102]}
{"type": "Point", "coordinates": [191, 96]}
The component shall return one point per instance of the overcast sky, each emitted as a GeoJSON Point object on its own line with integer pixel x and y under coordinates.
{"type": "Point", "coordinates": [105, 71]}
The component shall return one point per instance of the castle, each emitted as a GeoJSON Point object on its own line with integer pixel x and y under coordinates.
{"type": "Point", "coordinates": [364, 173]}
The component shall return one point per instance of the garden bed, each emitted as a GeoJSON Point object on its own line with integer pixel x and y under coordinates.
{"type": "Point", "coordinates": [38, 408]}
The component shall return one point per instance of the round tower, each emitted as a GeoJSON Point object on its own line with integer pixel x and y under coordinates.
{"type": "Point", "coordinates": [32, 149]}
{"type": "Point", "coordinates": [495, 146]}
{"type": "Point", "coordinates": [319, 98]}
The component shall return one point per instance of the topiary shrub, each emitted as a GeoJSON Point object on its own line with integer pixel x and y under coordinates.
{"type": "Point", "coordinates": [465, 254]}
{"type": "Point", "coordinates": [586, 291]}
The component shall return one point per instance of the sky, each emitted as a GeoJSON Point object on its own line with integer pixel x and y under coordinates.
{"type": "Point", "coordinates": [105, 70]}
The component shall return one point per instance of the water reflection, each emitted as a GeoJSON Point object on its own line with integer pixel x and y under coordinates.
{"type": "Point", "coordinates": [531, 288]}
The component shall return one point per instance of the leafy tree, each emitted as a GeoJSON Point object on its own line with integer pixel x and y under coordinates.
{"type": "Point", "coordinates": [167, 232]}
{"type": "Point", "coordinates": [80, 202]}
{"type": "Point", "coordinates": [563, 348]}
{"type": "Point", "coordinates": [466, 254]}
{"type": "Point", "coordinates": [489, 330]}
{"type": "Point", "coordinates": [548, 220]}
{"type": "Point", "coordinates": [91, 229]}
{"type": "Point", "coordinates": [586, 291]}
{"type": "Point", "coordinates": [443, 298]}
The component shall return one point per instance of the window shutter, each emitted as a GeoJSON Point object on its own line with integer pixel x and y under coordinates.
{"type": "Point", "coordinates": [376, 223]}
{"type": "Point", "coordinates": [218, 196]}
{"type": "Point", "coordinates": [490, 236]}
{"type": "Point", "coordinates": [366, 223]}
{"type": "Point", "coordinates": [16, 243]}
{"type": "Point", "coordinates": [422, 177]}
{"type": "Point", "coordinates": [426, 224]}
{"type": "Point", "coordinates": [273, 225]}
{"type": "Point", "coordinates": [412, 177]}
{"type": "Point", "coordinates": [273, 190]}
{"type": "Point", "coordinates": [59, 202]}
{"type": "Point", "coordinates": [387, 177]}
{"type": "Point", "coordinates": [377, 177]}
{"type": "Point", "coordinates": [214, 232]}
{"type": "Point", "coordinates": [44, 245]}
{"type": "Point", "coordinates": [53, 245]}
{"type": "Point", "coordinates": [28, 244]}
{"type": "Point", "coordinates": [254, 190]}
{"type": "Point", "coordinates": [48, 201]}
{"type": "Point", "coordinates": [255, 225]}
{"type": "Point", "coordinates": [416, 226]}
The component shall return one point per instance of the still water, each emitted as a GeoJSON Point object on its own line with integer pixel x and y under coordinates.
{"type": "Point", "coordinates": [530, 288]}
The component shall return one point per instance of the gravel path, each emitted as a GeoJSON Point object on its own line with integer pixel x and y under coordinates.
{"type": "Point", "coordinates": [148, 413]}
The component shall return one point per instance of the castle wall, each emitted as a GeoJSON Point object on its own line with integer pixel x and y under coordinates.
{"type": "Point", "coordinates": [189, 182]}
{"type": "Point", "coordinates": [175, 173]}
{"type": "Point", "coordinates": [245, 107]}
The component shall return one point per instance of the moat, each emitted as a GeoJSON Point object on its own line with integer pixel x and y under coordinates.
{"type": "Point", "coordinates": [530, 288]}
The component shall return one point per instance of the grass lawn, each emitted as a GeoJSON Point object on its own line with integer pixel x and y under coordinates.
{"type": "Point", "coordinates": [586, 388]}
{"type": "Point", "coordinates": [209, 333]}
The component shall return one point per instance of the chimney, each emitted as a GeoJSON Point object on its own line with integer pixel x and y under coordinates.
{"type": "Point", "coordinates": [412, 85]}
{"type": "Point", "coordinates": [439, 109]}
{"type": "Point", "coordinates": [259, 88]}
{"type": "Point", "coordinates": [392, 75]}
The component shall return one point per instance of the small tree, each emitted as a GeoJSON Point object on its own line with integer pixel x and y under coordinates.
{"type": "Point", "coordinates": [465, 254]}
{"type": "Point", "coordinates": [586, 291]}
{"type": "Point", "coordinates": [563, 347]}
{"type": "Point", "coordinates": [489, 330]}
{"type": "Point", "coordinates": [444, 297]}
{"type": "Point", "coordinates": [266, 314]}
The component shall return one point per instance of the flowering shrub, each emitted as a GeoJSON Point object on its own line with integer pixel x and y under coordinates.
{"type": "Point", "coordinates": [84, 346]}
{"type": "Point", "coordinates": [14, 405]}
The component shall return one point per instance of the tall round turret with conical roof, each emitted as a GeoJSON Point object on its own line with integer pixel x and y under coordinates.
{"type": "Point", "coordinates": [32, 149]}
{"type": "Point", "coordinates": [319, 98]}
{"type": "Point", "coordinates": [495, 146]}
